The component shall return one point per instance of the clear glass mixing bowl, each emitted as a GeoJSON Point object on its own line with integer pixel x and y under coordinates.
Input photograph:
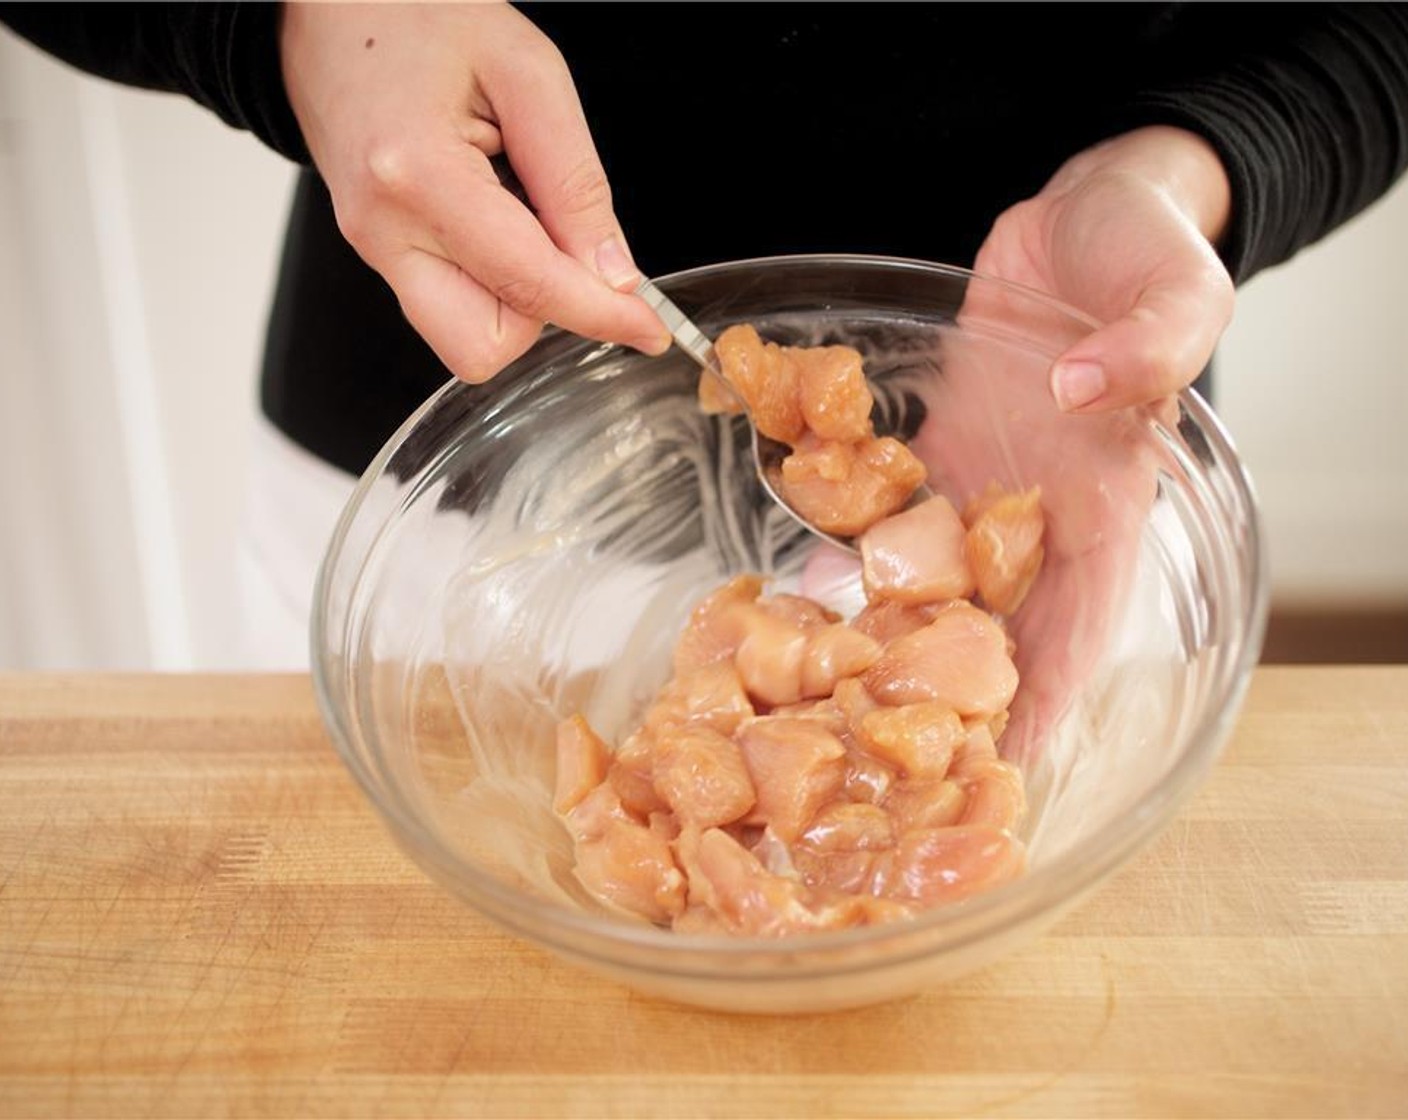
{"type": "Point", "coordinates": [528, 549]}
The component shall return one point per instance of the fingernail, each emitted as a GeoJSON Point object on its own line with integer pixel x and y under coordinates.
{"type": "Point", "coordinates": [614, 264]}
{"type": "Point", "coordinates": [654, 345]}
{"type": "Point", "coordinates": [1076, 384]}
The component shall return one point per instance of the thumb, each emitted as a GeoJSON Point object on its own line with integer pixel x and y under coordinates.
{"type": "Point", "coordinates": [1154, 350]}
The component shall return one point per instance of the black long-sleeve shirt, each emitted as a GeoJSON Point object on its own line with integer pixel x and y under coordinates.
{"type": "Point", "coordinates": [944, 114]}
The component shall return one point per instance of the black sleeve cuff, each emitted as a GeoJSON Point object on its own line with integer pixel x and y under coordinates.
{"type": "Point", "coordinates": [224, 56]}
{"type": "Point", "coordinates": [227, 58]}
{"type": "Point", "coordinates": [1311, 129]}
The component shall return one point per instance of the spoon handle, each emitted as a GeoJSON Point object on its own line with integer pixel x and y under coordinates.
{"type": "Point", "coordinates": [688, 337]}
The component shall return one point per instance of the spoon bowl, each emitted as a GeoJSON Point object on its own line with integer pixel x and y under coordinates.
{"type": "Point", "coordinates": [768, 453]}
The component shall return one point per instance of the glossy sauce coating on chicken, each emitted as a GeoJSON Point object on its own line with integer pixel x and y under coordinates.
{"type": "Point", "coordinates": [804, 772]}
{"type": "Point", "coordinates": [840, 476]}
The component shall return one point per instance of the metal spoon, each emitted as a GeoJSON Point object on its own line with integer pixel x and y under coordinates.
{"type": "Point", "coordinates": [767, 453]}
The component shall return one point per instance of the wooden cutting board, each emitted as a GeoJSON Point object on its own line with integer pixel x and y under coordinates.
{"type": "Point", "coordinates": [199, 915]}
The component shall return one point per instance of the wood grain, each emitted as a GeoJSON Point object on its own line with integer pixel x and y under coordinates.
{"type": "Point", "coordinates": [200, 915]}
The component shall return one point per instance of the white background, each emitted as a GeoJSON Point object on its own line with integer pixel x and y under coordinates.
{"type": "Point", "coordinates": [139, 239]}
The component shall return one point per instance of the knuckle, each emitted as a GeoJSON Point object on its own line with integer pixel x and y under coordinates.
{"type": "Point", "coordinates": [584, 188]}
{"type": "Point", "coordinates": [355, 221]}
{"type": "Point", "coordinates": [527, 293]}
{"type": "Point", "coordinates": [489, 353]}
{"type": "Point", "coordinates": [392, 171]}
{"type": "Point", "coordinates": [388, 177]}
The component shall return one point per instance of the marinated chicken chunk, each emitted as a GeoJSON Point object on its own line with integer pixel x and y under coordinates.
{"type": "Point", "coordinates": [1003, 545]}
{"type": "Point", "coordinates": [840, 476]}
{"type": "Point", "coordinates": [806, 775]}
{"type": "Point", "coordinates": [801, 771]}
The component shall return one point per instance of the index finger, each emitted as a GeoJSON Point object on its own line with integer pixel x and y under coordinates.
{"type": "Point", "coordinates": [499, 242]}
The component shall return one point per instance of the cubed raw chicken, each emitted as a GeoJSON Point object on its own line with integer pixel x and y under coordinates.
{"type": "Point", "coordinates": [582, 759]}
{"type": "Point", "coordinates": [934, 865]}
{"type": "Point", "coordinates": [959, 659]}
{"type": "Point", "coordinates": [996, 796]}
{"type": "Point", "coordinates": [979, 747]}
{"type": "Point", "coordinates": [917, 803]}
{"type": "Point", "coordinates": [917, 555]}
{"type": "Point", "coordinates": [835, 399]}
{"type": "Point", "coordinates": [799, 610]}
{"type": "Point", "coordinates": [839, 848]}
{"type": "Point", "coordinates": [701, 776]}
{"type": "Point", "coordinates": [797, 766]}
{"type": "Point", "coordinates": [867, 778]}
{"type": "Point", "coordinates": [849, 827]}
{"type": "Point", "coordinates": [714, 630]}
{"type": "Point", "coordinates": [834, 653]}
{"type": "Point", "coordinates": [770, 656]}
{"type": "Point", "coordinates": [918, 739]}
{"type": "Point", "coordinates": [799, 772]}
{"type": "Point", "coordinates": [632, 867]}
{"type": "Point", "coordinates": [711, 696]}
{"type": "Point", "coordinates": [716, 397]}
{"type": "Point", "coordinates": [631, 774]}
{"type": "Point", "coordinates": [729, 880]}
{"type": "Point", "coordinates": [1003, 546]}
{"type": "Point", "coordinates": [767, 382]}
{"type": "Point", "coordinates": [846, 488]}
{"type": "Point", "coordinates": [887, 620]}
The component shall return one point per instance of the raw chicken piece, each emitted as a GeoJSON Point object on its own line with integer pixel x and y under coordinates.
{"type": "Point", "coordinates": [917, 803]}
{"type": "Point", "coordinates": [838, 850]}
{"type": "Point", "coordinates": [701, 776]}
{"type": "Point", "coordinates": [803, 612]}
{"type": "Point", "coordinates": [996, 796]}
{"type": "Point", "coordinates": [840, 872]}
{"type": "Point", "coordinates": [935, 865]}
{"type": "Point", "coordinates": [582, 759]}
{"type": "Point", "coordinates": [868, 779]}
{"type": "Point", "coordinates": [1003, 546]}
{"type": "Point", "coordinates": [835, 399]}
{"type": "Point", "coordinates": [623, 861]}
{"type": "Point", "coordinates": [593, 815]}
{"type": "Point", "coordinates": [729, 881]}
{"type": "Point", "coordinates": [797, 766]}
{"type": "Point", "coordinates": [716, 397]}
{"type": "Point", "coordinates": [846, 488]}
{"type": "Point", "coordinates": [732, 883]}
{"type": "Point", "coordinates": [711, 696]}
{"type": "Point", "coordinates": [842, 827]}
{"type": "Point", "coordinates": [631, 774]}
{"type": "Point", "coordinates": [852, 702]}
{"type": "Point", "coordinates": [917, 555]}
{"type": "Point", "coordinates": [823, 711]}
{"type": "Point", "coordinates": [713, 630]}
{"type": "Point", "coordinates": [971, 757]}
{"type": "Point", "coordinates": [770, 851]}
{"type": "Point", "coordinates": [770, 655]}
{"type": "Point", "coordinates": [632, 866]}
{"type": "Point", "coordinates": [886, 620]}
{"type": "Point", "coordinates": [834, 653]}
{"type": "Point", "coordinates": [960, 659]}
{"type": "Point", "coordinates": [767, 382]}
{"type": "Point", "coordinates": [919, 739]}
{"type": "Point", "coordinates": [799, 773]}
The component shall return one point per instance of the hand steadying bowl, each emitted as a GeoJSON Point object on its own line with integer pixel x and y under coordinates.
{"type": "Point", "coordinates": [531, 548]}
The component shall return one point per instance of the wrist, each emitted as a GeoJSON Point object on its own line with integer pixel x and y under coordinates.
{"type": "Point", "coordinates": [1180, 164]}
